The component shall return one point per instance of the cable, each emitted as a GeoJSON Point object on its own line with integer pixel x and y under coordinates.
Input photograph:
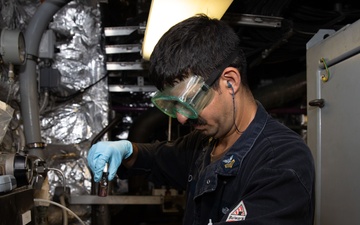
{"type": "Point", "coordinates": [64, 99]}
{"type": "Point", "coordinates": [63, 176]}
{"type": "Point", "coordinates": [325, 77]}
{"type": "Point", "coordinates": [79, 92]}
{"type": "Point", "coordinates": [62, 198]}
{"type": "Point", "coordinates": [45, 101]}
{"type": "Point", "coordinates": [111, 125]}
{"type": "Point", "coordinates": [65, 217]}
{"type": "Point", "coordinates": [61, 206]}
{"type": "Point", "coordinates": [234, 109]}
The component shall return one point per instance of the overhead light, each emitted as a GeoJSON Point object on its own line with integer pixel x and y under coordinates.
{"type": "Point", "coordinates": [166, 13]}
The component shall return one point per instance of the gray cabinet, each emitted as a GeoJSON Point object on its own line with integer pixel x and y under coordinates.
{"type": "Point", "coordinates": [333, 94]}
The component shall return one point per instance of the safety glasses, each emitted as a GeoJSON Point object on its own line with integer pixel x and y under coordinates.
{"type": "Point", "coordinates": [190, 96]}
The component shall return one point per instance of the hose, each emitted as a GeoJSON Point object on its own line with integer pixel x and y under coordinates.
{"type": "Point", "coordinates": [61, 206]}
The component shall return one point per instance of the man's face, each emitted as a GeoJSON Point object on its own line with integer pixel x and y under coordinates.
{"type": "Point", "coordinates": [216, 119]}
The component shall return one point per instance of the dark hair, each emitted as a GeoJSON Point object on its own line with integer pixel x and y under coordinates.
{"type": "Point", "coordinates": [197, 45]}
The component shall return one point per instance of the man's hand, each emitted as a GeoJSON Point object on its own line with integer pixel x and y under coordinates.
{"type": "Point", "coordinates": [111, 152]}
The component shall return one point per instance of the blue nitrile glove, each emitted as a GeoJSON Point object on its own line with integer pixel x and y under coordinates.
{"type": "Point", "coordinates": [111, 152]}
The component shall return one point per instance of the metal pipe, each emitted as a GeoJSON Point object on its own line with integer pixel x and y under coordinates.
{"type": "Point", "coordinates": [28, 79]}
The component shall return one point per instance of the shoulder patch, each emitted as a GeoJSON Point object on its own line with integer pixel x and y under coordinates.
{"type": "Point", "coordinates": [238, 213]}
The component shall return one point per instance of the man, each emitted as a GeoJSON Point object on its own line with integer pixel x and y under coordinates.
{"type": "Point", "coordinates": [239, 165]}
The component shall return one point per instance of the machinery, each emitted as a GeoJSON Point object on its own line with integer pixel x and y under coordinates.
{"type": "Point", "coordinates": [18, 176]}
{"type": "Point", "coordinates": [18, 167]}
{"type": "Point", "coordinates": [332, 82]}
{"type": "Point", "coordinates": [23, 173]}
{"type": "Point", "coordinates": [18, 172]}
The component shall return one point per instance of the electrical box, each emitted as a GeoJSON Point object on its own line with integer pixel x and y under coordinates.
{"type": "Point", "coordinates": [333, 94]}
{"type": "Point", "coordinates": [47, 45]}
{"type": "Point", "coordinates": [16, 207]}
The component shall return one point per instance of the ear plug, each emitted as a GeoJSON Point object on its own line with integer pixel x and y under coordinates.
{"type": "Point", "coordinates": [229, 85]}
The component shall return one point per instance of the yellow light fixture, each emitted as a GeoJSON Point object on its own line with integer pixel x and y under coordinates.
{"type": "Point", "coordinates": [166, 13]}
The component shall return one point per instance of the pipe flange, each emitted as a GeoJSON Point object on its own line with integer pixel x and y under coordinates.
{"type": "Point", "coordinates": [36, 145]}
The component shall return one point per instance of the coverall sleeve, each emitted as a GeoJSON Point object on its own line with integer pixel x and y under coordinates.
{"type": "Point", "coordinates": [166, 163]}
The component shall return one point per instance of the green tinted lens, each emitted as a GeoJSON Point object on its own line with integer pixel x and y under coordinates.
{"type": "Point", "coordinates": [188, 98]}
{"type": "Point", "coordinates": [171, 106]}
{"type": "Point", "coordinates": [186, 110]}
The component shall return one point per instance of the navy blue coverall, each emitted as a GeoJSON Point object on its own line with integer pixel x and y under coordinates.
{"type": "Point", "coordinates": [265, 178]}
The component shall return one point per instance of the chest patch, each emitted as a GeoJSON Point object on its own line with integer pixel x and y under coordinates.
{"type": "Point", "coordinates": [238, 213]}
{"type": "Point", "coordinates": [229, 163]}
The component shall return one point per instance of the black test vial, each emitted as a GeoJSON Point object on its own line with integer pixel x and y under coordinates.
{"type": "Point", "coordinates": [104, 183]}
